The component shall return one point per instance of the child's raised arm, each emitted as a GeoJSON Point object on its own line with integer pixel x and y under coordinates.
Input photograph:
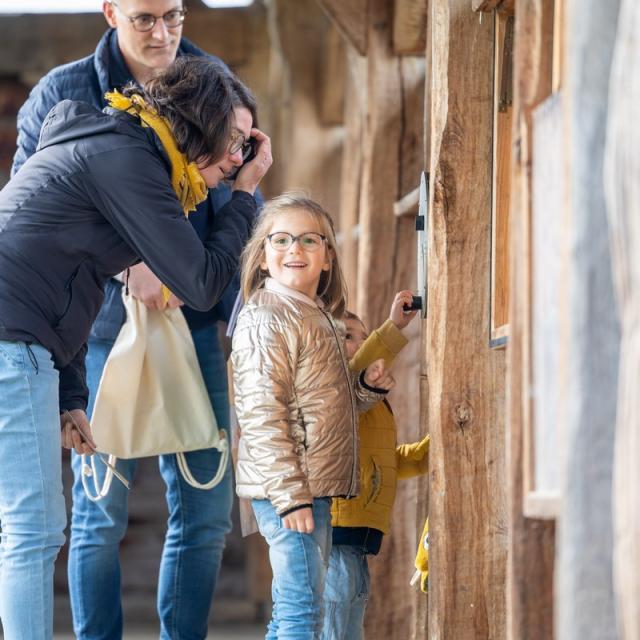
{"type": "Point", "coordinates": [398, 315]}
{"type": "Point", "coordinates": [413, 459]}
{"type": "Point", "coordinates": [387, 341]}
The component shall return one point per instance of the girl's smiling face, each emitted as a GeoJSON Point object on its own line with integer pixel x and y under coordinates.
{"type": "Point", "coordinates": [296, 267]}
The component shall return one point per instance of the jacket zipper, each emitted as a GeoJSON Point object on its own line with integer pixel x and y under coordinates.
{"type": "Point", "coordinates": [354, 416]}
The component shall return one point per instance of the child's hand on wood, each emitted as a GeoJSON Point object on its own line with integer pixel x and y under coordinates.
{"type": "Point", "coordinates": [398, 315]}
{"type": "Point", "coordinates": [378, 376]}
{"type": "Point", "coordinates": [299, 520]}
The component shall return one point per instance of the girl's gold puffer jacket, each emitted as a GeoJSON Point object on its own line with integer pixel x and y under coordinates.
{"type": "Point", "coordinates": [296, 402]}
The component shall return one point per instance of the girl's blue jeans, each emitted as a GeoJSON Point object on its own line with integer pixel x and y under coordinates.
{"type": "Point", "coordinates": [346, 593]}
{"type": "Point", "coordinates": [299, 564]}
{"type": "Point", "coordinates": [198, 523]}
{"type": "Point", "coordinates": [32, 511]}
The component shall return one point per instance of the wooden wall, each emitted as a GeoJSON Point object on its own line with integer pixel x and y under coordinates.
{"type": "Point", "coordinates": [622, 177]}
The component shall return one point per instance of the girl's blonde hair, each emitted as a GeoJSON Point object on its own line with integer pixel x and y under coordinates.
{"type": "Point", "coordinates": [332, 289]}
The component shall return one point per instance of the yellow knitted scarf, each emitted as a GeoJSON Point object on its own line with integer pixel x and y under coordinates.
{"type": "Point", "coordinates": [186, 180]}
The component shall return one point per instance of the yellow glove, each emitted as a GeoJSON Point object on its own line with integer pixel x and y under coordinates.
{"type": "Point", "coordinates": [422, 560]}
{"type": "Point", "coordinates": [413, 459]}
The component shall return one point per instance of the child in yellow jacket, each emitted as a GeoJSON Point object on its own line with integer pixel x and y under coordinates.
{"type": "Point", "coordinates": [359, 524]}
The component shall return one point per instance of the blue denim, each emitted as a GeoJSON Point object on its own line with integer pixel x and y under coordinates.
{"type": "Point", "coordinates": [32, 511]}
{"type": "Point", "coordinates": [299, 565]}
{"type": "Point", "coordinates": [346, 593]}
{"type": "Point", "coordinates": [198, 523]}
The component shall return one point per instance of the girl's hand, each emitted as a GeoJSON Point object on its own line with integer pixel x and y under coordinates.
{"type": "Point", "coordinates": [378, 376]}
{"type": "Point", "coordinates": [299, 520]}
{"type": "Point", "coordinates": [398, 315]}
{"type": "Point", "coordinates": [251, 173]}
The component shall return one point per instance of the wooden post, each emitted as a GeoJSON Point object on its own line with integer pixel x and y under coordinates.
{"type": "Point", "coordinates": [309, 152]}
{"type": "Point", "coordinates": [531, 542]}
{"type": "Point", "coordinates": [468, 530]}
{"type": "Point", "coordinates": [391, 143]}
{"type": "Point", "coordinates": [355, 110]}
{"type": "Point", "coordinates": [623, 198]}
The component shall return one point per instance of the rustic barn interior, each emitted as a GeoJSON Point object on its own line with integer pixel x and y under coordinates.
{"type": "Point", "coordinates": [520, 119]}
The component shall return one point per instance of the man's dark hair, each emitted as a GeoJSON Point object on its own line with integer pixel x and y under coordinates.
{"type": "Point", "coordinates": [197, 96]}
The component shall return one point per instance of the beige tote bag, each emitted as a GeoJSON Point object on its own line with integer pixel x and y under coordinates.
{"type": "Point", "coordinates": [152, 398]}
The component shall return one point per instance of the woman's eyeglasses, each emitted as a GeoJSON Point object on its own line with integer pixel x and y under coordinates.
{"type": "Point", "coordinates": [238, 141]}
{"type": "Point", "coordinates": [146, 21]}
{"type": "Point", "coordinates": [310, 241]}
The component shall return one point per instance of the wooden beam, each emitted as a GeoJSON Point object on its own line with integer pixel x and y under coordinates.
{"type": "Point", "coordinates": [531, 542]}
{"type": "Point", "coordinates": [503, 6]}
{"type": "Point", "coordinates": [392, 159]}
{"type": "Point", "coordinates": [333, 72]}
{"type": "Point", "coordinates": [351, 19]}
{"type": "Point", "coordinates": [408, 204]}
{"type": "Point", "coordinates": [467, 498]}
{"type": "Point", "coordinates": [410, 27]}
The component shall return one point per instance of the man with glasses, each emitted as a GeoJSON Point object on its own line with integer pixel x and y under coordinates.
{"type": "Point", "coordinates": [144, 38]}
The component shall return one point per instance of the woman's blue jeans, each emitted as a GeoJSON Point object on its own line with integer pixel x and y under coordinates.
{"type": "Point", "coordinates": [299, 563]}
{"type": "Point", "coordinates": [32, 512]}
{"type": "Point", "coordinates": [198, 523]}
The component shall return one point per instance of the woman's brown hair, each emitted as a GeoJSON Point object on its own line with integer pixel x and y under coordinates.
{"type": "Point", "coordinates": [197, 96]}
{"type": "Point", "coordinates": [332, 289]}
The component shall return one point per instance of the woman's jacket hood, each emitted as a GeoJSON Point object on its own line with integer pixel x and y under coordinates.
{"type": "Point", "coordinates": [70, 120]}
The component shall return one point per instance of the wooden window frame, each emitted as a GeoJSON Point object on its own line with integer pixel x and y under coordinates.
{"type": "Point", "coordinates": [501, 177]}
{"type": "Point", "coordinates": [537, 503]}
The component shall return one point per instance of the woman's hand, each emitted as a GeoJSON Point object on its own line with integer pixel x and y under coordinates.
{"type": "Point", "coordinates": [76, 432]}
{"type": "Point", "coordinates": [299, 520]}
{"type": "Point", "coordinates": [251, 173]}
{"type": "Point", "coordinates": [378, 376]}
{"type": "Point", "coordinates": [146, 287]}
{"type": "Point", "coordinates": [398, 315]}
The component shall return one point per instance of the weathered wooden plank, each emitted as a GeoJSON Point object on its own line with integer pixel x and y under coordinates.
{"type": "Point", "coordinates": [298, 31]}
{"type": "Point", "coordinates": [501, 183]}
{"type": "Point", "coordinates": [333, 70]}
{"type": "Point", "coordinates": [410, 27]}
{"type": "Point", "coordinates": [531, 542]}
{"type": "Point", "coordinates": [351, 173]}
{"type": "Point", "coordinates": [351, 18]}
{"type": "Point", "coordinates": [393, 156]}
{"type": "Point", "coordinates": [623, 199]}
{"type": "Point", "coordinates": [503, 6]}
{"type": "Point", "coordinates": [468, 536]}
{"type": "Point", "coordinates": [380, 175]}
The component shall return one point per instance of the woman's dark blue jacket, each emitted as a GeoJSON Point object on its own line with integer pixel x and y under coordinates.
{"type": "Point", "coordinates": [93, 200]}
{"type": "Point", "coordinates": [87, 80]}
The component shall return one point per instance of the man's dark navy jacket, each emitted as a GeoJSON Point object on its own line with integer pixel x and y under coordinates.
{"type": "Point", "coordinates": [88, 80]}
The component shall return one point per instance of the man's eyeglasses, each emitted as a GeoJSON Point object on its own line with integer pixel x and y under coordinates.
{"type": "Point", "coordinates": [310, 241]}
{"type": "Point", "coordinates": [146, 21]}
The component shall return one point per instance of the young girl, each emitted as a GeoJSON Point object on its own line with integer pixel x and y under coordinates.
{"type": "Point", "coordinates": [296, 402]}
